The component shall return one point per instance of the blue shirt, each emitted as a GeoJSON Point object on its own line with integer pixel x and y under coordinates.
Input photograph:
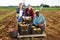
{"type": "Point", "coordinates": [39, 20]}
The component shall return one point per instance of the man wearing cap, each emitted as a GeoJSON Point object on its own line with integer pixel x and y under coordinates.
{"type": "Point", "coordinates": [39, 21]}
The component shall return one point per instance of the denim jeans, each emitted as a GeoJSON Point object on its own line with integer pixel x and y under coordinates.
{"type": "Point", "coordinates": [19, 29]}
{"type": "Point", "coordinates": [19, 19]}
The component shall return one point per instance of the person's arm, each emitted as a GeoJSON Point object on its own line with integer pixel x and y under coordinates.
{"type": "Point", "coordinates": [41, 21]}
{"type": "Point", "coordinates": [17, 11]}
{"type": "Point", "coordinates": [44, 20]}
{"type": "Point", "coordinates": [26, 11]}
{"type": "Point", "coordinates": [32, 13]}
{"type": "Point", "coordinates": [23, 13]}
{"type": "Point", "coordinates": [34, 21]}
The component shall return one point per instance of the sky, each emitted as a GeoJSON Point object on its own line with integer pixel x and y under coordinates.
{"type": "Point", "coordinates": [31, 2]}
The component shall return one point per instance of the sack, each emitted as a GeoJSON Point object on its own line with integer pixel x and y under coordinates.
{"type": "Point", "coordinates": [13, 34]}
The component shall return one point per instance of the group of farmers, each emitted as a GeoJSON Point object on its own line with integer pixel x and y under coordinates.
{"type": "Point", "coordinates": [38, 20]}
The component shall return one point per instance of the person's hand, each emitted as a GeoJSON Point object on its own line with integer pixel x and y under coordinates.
{"type": "Point", "coordinates": [37, 25]}
{"type": "Point", "coordinates": [40, 25]}
{"type": "Point", "coordinates": [17, 15]}
{"type": "Point", "coordinates": [30, 17]}
{"type": "Point", "coordinates": [24, 18]}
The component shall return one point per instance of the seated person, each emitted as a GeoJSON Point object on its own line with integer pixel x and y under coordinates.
{"type": "Point", "coordinates": [29, 12]}
{"type": "Point", "coordinates": [39, 21]}
{"type": "Point", "coordinates": [20, 12]}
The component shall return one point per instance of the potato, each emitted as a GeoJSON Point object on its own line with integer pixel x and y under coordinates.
{"type": "Point", "coordinates": [34, 29]}
{"type": "Point", "coordinates": [33, 26]}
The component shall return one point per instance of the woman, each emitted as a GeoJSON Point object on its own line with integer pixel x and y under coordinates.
{"type": "Point", "coordinates": [20, 12]}
{"type": "Point", "coordinates": [29, 11]}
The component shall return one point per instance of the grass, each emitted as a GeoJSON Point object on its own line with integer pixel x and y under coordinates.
{"type": "Point", "coordinates": [8, 7]}
{"type": "Point", "coordinates": [47, 8]}
{"type": "Point", "coordinates": [35, 8]}
{"type": "Point", "coordinates": [52, 8]}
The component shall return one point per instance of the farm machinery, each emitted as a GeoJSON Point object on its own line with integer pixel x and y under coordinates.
{"type": "Point", "coordinates": [27, 30]}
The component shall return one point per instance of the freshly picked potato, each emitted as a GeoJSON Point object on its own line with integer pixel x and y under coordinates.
{"type": "Point", "coordinates": [23, 22]}
{"type": "Point", "coordinates": [39, 29]}
{"type": "Point", "coordinates": [6, 38]}
{"type": "Point", "coordinates": [22, 30]}
{"type": "Point", "coordinates": [26, 17]}
{"type": "Point", "coordinates": [33, 27]}
{"type": "Point", "coordinates": [26, 30]}
{"type": "Point", "coordinates": [20, 22]}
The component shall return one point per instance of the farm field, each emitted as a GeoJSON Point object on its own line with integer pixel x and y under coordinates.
{"type": "Point", "coordinates": [53, 24]}
{"type": "Point", "coordinates": [52, 29]}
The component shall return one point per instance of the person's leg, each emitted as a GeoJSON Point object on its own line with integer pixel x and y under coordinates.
{"type": "Point", "coordinates": [30, 29]}
{"type": "Point", "coordinates": [19, 19]}
{"type": "Point", "coordinates": [19, 28]}
{"type": "Point", "coordinates": [42, 29]}
{"type": "Point", "coordinates": [32, 20]}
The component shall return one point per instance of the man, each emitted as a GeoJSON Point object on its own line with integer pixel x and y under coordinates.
{"type": "Point", "coordinates": [29, 11]}
{"type": "Point", "coordinates": [39, 21]}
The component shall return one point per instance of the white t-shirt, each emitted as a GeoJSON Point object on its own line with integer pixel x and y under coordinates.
{"type": "Point", "coordinates": [20, 13]}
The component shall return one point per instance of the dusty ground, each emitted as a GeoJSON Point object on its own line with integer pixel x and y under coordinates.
{"type": "Point", "coordinates": [53, 24]}
{"type": "Point", "coordinates": [52, 28]}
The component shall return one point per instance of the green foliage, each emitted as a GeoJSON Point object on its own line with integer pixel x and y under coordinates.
{"type": "Point", "coordinates": [51, 8]}
{"type": "Point", "coordinates": [47, 8]}
{"type": "Point", "coordinates": [55, 6]}
{"type": "Point", "coordinates": [8, 7]}
{"type": "Point", "coordinates": [34, 7]}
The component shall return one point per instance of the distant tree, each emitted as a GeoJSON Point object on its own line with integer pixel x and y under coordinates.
{"type": "Point", "coordinates": [45, 5]}
{"type": "Point", "coordinates": [41, 5]}
{"type": "Point", "coordinates": [56, 6]}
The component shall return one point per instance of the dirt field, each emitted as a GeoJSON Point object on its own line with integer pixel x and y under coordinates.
{"type": "Point", "coordinates": [53, 24]}
{"type": "Point", "coordinates": [52, 28]}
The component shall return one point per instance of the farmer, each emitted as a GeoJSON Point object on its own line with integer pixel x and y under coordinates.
{"type": "Point", "coordinates": [20, 12]}
{"type": "Point", "coordinates": [39, 21]}
{"type": "Point", "coordinates": [29, 12]}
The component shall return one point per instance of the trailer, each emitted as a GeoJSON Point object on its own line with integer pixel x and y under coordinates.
{"type": "Point", "coordinates": [32, 36]}
{"type": "Point", "coordinates": [24, 29]}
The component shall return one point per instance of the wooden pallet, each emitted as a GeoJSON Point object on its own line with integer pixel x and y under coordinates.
{"type": "Point", "coordinates": [33, 35]}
